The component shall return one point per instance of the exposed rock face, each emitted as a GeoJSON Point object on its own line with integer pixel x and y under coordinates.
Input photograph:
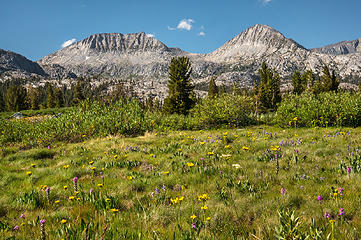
{"type": "Point", "coordinates": [341, 48]}
{"type": "Point", "coordinates": [13, 62]}
{"type": "Point", "coordinates": [142, 61]}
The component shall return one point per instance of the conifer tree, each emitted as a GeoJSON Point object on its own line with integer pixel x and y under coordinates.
{"type": "Point", "coordinates": [33, 98]}
{"type": "Point", "coordinates": [15, 98]}
{"type": "Point", "coordinates": [59, 97]}
{"type": "Point", "coordinates": [50, 97]}
{"type": "Point", "coordinates": [78, 93]}
{"type": "Point", "coordinates": [299, 83]}
{"type": "Point", "coordinates": [180, 89]}
{"type": "Point", "coordinates": [222, 90]}
{"type": "Point", "coordinates": [212, 88]}
{"type": "Point", "coordinates": [269, 89]}
{"type": "Point", "coordinates": [329, 80]}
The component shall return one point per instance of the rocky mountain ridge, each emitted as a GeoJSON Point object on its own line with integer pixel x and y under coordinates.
{"type": "Point", "coordinates": [341, 48]}
{"type": "Point", "coordinates": [142, 61]}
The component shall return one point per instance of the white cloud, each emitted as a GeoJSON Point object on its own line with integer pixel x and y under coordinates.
{"type": "Point", "coordinates": [266, 1]}
{"type": "Point", "coordinates": [185, 24]}
{"type": "Point", "coordinates": [171, 29]}
{"type": "Point", "coordinates": [150, 35]}
{"type": "Point", "coordinates": [67, 43]}
{"type": "Point", "coordinates": [201, 34]}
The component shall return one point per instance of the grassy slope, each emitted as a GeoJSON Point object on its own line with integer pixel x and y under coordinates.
{"type": "Point", "coordinates": [243, 199]}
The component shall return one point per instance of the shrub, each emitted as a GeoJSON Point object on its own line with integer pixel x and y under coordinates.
{"type": "Point", "coordinates": [234, 111]}
{"type": "Point", "coordinates": [324, 109]}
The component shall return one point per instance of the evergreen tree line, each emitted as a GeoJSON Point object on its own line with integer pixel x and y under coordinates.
{"type": "Point", "coordinates": [181, 98]}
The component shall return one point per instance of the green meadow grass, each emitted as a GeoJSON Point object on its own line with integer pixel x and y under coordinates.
{"type": "Point", "coordinates": [217, 184]}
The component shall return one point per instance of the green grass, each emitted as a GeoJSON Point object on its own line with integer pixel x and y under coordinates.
{"type": "Point", "coordinates": [235, 168]}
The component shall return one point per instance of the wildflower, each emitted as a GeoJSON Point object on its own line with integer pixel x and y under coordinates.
{"type": "Point", "coordinates": [202, 143]}
{"type": "Point", "coordinates": [92, 168]}
{"type": "Point", "coordinates": [130, 178]}
{"type": "Point", "coordinates": [228, 146]}
{"type": "Point", "coordinates": [107, 200]}
{"type": "Point", "coordinates": [166, 173]}
{"type": "Point", "coordinates": [114, 210]}
{"type": "Point", "coordinates": [283, 191]}
{"type": "Point", "coordinates": [33, 165]}
{"type": "Point", "coordinates": [57, 201]}
{"type": "Point", "coordinates": [341, 212]}
{"type": "Point", "coordinates": [245, 148]}
{"type": "Point", "coordinates": [71, 197]}
{"type": "Point", "coordinates": [91, 162]}
{"type": "Point", "coordinates": [327, 215]}
{"type": "Point", "coordinates": [156, 191]}
{"type": "Point", "coordinates": [236, 165]}
{"type": "Point", "coordinates": [65, 187]}
{"type": "Point", "coordinates": [91, 191]}
{"type": "Point", "coordinates": [100, 185]}
{"type": "Point", "coordinates": [42, 229]}
{"type": "Point", "coordinates": [29, 173]}
{"type": "Point", "coordinates": [193, 217]}
{"type": "Point", "coordinates": [320, 198]}
{"type": "Point", "coordinates": [348, 169]}
{"type": "Point", "coordinates": [204, 207]}
{"type": "Point", "coordinates": [16, 228]}
{"type": "Point", "coordinates": [332, 221]}
{"type": "Point", "coordinates": [210, 153]}
{"type": "Point", "coordinates": [164, 187]}
{"type": "Point", "coordinates": [275, 148]}
{"type": "Point", "coordinates": [66, 166]}
{"type": "Point", "coordinates": [193, 225]}
{"type": "Point", "coordinates": [340, 191]}
{"type": "Point", "coordinates": [63, 221]}
{"type": "Point", "coordinates": [203, 197]}
{"type": "Point", "coordinates": [22, 216]}
{"type": "Point", "coordinates": [189, 164]}
{"type": "Point", "coordinates": [208, 218]}
{"type": "Point", "coordinates": [75, 182]}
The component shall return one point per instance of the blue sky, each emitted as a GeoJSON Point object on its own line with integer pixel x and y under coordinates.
{"type": "Point", "coordinates": [36, 28]}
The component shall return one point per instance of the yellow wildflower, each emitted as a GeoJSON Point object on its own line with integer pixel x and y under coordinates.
{"type": "Point", "coordinates": [63, 221]}
{"type": "Point", "coordinates": [66, 166]}
{"type": "Point", "coordinates": [204, 207]}
{"type": "Point", "coordinates": [57, 201]}
{"type": "Point", "coordinates": [130, 177]}
{"type": "Point", "coordinates": [65, 187]}
{"type": "Point", "coordinates": [189, 164]}
{"type": "Point", "coordinates": [91, 162]}
{"type": "Point", "coordinates": [208, 218]}
{"type": "Point", "coordinates": [114, 210]}
{"type": "Point", "coordinates": [210, 153]}
{"type": "Point", "coordinates": [228, 146]}
{"type": "Point", "coordinates": [100, 185]}
{"type": "Point", "coordinates": [193, 217]}
{"type": "Point", "coordinates": [166, 173]}
{"type": "Point", "coordinates": [71, 198]}
{"type": "Point", "coordinates": [245, 148]}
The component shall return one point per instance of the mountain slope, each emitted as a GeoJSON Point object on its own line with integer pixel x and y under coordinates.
{"type": "Point", "coordinates": [341, 48]}
{"type": "Point", "coordinates": [13, 62]}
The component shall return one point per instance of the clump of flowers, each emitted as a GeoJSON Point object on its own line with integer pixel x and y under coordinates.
{"type": "Point", "coordinates": [341, 212]}
{"type": "Point", "coordinates": [320, 199]}
{"type": "Point", "coordinates": [42, 229]}
{"type": "Point", "coordinates": [75, 183]}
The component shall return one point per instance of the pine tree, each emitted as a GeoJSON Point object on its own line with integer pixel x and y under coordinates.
{"type": "Point", "coordinates": [269, 89]}
{"type": "Point", "coordinates": [59, 97]}
{"type": "Point", "coordinates": [180, 89]}
{"type": "Point", "coordinates": [15, 98]}
{"type": "Point", "coordinates": [78, 93]}
{"type": "Point", "coordinates": [212, 88]}
{"type": "Point", "coordinates": [299, 83]}
{"type": "Point", "coordinates": [33, 98]}
{"type": "Point", "coordinates": [50, 97]}
{"type": "Point", "coordinates": [222, 90]}
{"type": "Point", "coordinates": [329, 81]}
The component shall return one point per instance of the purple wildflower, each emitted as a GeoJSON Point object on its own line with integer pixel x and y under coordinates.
{"type": "Point", "coordinates": [283, 191]}
{"type": "Point", "coordinates": [320, 198]}
{"type": "Point", "coordinates": [193, 226]}
{"type": "Point", "coordinates": [341, 212]}
{"type": "Point", "coordinates": [327, 215]}
{"type": "Point", "coordinates": [164, 187]}
{"type": "Point", "coordinates": [156, 191]}
{"type": "Point", "coordinates": [340, 191]}
{"type": "Point", "coordinates": [202, 159]}
{"type": "Point", "coordinates": [348, 169]}
{"type": "Point", "coordinates": [91, 191]}
{"type": "Point", "coordinates": [22, 216]}
{"type": "Point", "coordinates": [75, 182]}
{"type": "Point", "coordinates": [49, 147]}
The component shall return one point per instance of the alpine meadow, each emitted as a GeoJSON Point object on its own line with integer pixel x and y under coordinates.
{"type": "Point", "coordinates": [119, 136]}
